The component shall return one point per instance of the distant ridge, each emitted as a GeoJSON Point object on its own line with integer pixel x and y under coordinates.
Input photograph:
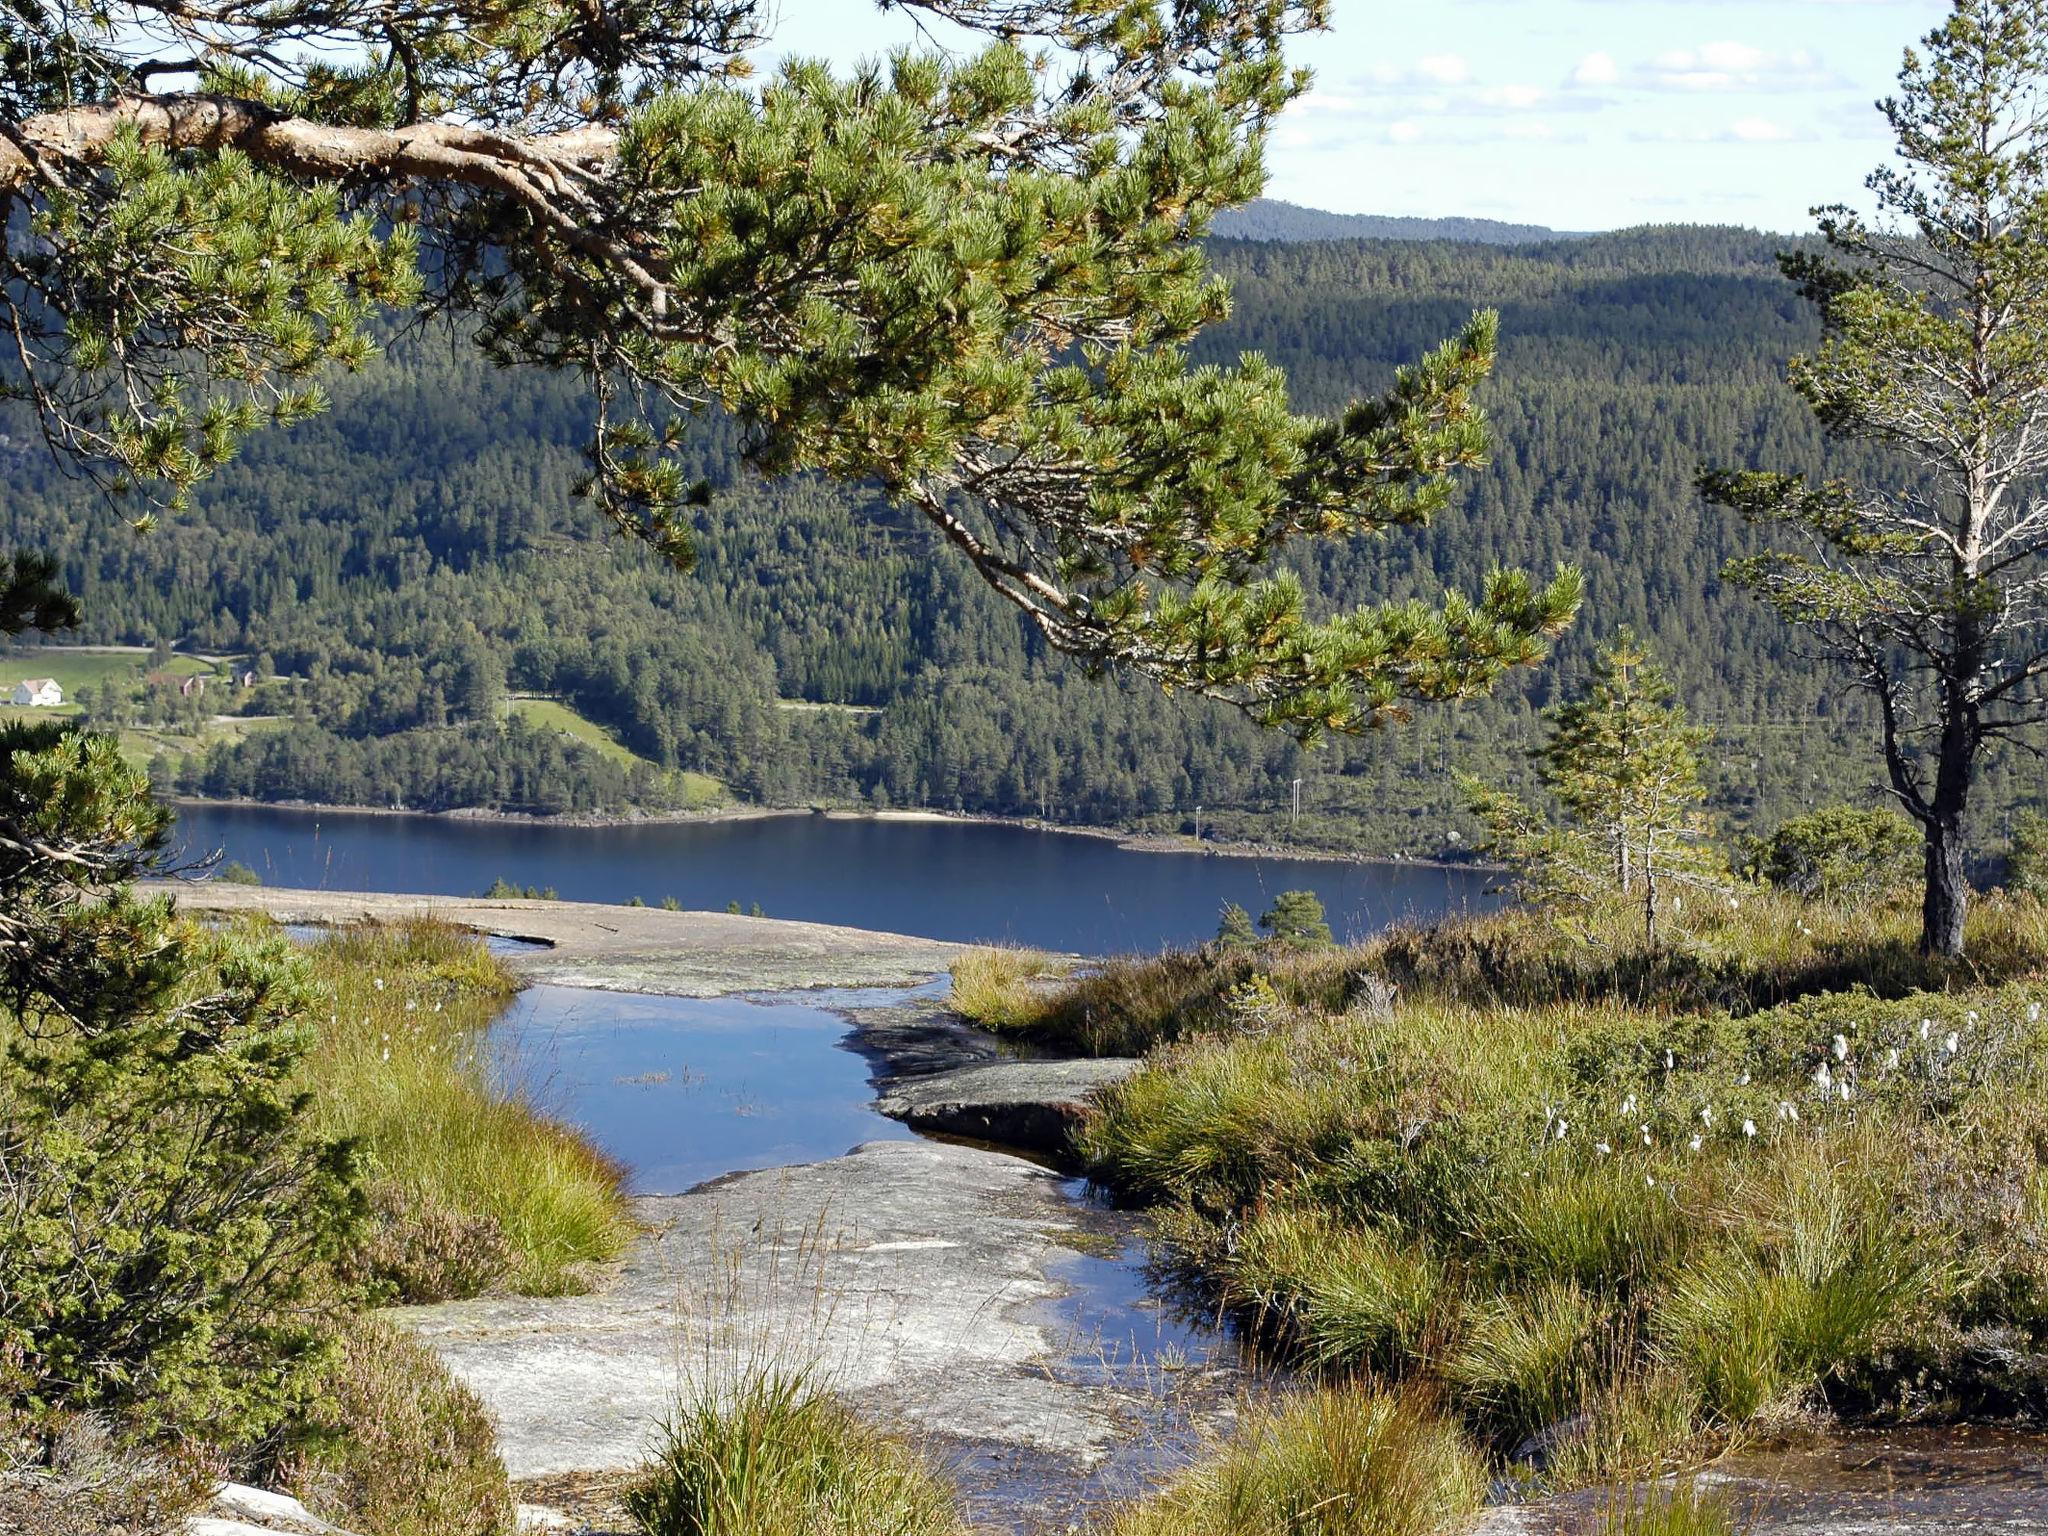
{"type": "Point", "coordinates": [1268, 219]}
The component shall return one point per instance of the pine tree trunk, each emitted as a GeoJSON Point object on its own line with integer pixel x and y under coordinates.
{"type": "Point", "coordinates": [1946, 901]}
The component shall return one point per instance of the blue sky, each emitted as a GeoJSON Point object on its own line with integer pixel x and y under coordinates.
{"type": "Point", "coordinates": [1579, 114]}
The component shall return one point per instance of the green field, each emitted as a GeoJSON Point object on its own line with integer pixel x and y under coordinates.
{"type": "Point", "coordinates": [76, 667]}
{"type": "Point", "coordinates": [551, 714]}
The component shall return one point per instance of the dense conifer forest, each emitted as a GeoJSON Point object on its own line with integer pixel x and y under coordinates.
{"type": "Point", "coordinates": [411, 557]}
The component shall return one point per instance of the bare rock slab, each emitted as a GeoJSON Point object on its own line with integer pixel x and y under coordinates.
{"type": "Point", "coordinates": [910, 1276]}
{"type": "Point", "coordinates": [623, 949]}
{"type": "Point", "coordinates": [1033, 1105]}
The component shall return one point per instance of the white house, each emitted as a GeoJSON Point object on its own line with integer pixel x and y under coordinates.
{"type": "Point", "coordinates": [38, 692]}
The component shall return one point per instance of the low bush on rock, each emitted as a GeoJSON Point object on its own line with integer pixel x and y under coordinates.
{"type": "Point", "coordinates": [67, 1475]}
{"type": "Point", "coordinates": [395, 1446]}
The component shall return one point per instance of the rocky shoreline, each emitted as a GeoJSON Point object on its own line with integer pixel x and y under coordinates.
{"type": "Point", "coordinates": [923, 1278]}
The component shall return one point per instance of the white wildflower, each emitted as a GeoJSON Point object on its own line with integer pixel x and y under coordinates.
{"type": "Point", "coordinates": [1954, 1041]}
{"type": "Point", "coordinates": [1695, 1143]}
{"type": "Point", "coordinates": [1824, 1079]}
{"type": "Point", "coordinates": [1841, 1047]}
{"type": "Point", "coordinates": [1749, 1127]}
{"type": "Point", "coordinates": [1602, 1148]}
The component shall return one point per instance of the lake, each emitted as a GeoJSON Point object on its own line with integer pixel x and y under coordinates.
{"type": "Point", "coordinates": [954, 880]}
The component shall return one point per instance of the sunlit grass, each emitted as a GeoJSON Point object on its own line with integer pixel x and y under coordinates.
{"type": "Point", "coordinates": [1004, 988]}
{"type": "Point", "coordinates": [1335, 1462]}
{"type": "Point", "coordinates": [1605, 1237]}
{"type": "Point", "coordinates": [779, 1455]}
{"type": "Point", "coordinates": [471, 1179]}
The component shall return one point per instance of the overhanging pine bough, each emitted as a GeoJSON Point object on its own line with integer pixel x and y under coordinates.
{"type": "Point", "coordinates": [970, 279]}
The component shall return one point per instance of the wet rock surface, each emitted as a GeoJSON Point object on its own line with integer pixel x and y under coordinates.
{"type": "Point", "coordinates": [1033, 1105]}
{"type": "Point", "coordinates": [913, 1276]}
{"type": "Point", "coordinates": [1921, 1481]}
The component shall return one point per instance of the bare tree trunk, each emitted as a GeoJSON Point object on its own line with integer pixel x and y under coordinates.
{"type": "Point", "coordinates": [1946, 902]}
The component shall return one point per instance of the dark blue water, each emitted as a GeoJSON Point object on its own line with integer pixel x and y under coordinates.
{"type": "Point", "coordinates": [682, 1089]}
{"type": "Point", "coordinates": [943, 880]}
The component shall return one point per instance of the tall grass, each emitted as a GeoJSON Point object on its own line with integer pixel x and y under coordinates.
{"type": "Point", "coordinates": [1335, 1462]}
{"type": "Point", "coordinates": [475, 1187]}
{"type": "Point", "coordinates": [1002, 987]}
{"type": "Point", "coordinates": [1683, 1510]}
{"type": "Point", "coordinates": [1605, 1235]}
{"type": "Point", "coordinates": [1766, 950]}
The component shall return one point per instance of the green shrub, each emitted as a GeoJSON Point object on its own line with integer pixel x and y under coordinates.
{"type": "Point", "coordinates": [1296, 920]}
{"type": "Point", "coordinates": [1838, 853]}
{"type": "Point", "coordinates": [778, 1456]}
{"type": "Point", "coordinates": [397, 1447]}
{"type": "Point", "coordinates": [2026, 859]}
{"type": "Point", "coordinates": [1341, 1461]}
{"type": "Point", "coordinates": [233, 873]}
{"type": "Point", "coordinates": [174, 1211]}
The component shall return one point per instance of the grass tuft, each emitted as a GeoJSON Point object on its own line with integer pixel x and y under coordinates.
{"type": "Point", "coordinates": [1333, 1462]}
{"type": "Point", "coordinates": [1004, 988]}
{"type": "Point", "coordinates": [780, 1456]}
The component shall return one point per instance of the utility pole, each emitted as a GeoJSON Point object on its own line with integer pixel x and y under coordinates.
{"type": "Point", "coordinates": [1294, 809]}
{"type": "Point", "coordinates": [1198, 823]}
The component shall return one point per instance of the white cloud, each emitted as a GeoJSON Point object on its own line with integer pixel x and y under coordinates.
{"type": "Point", "coordinates": [1407, 131]}
{"type": "Point", "coordinates": [1759, 130]}
{"type": "Point", "coordinates": [1444, 68]}
{"type": "Point", "coordinates": [1744, 130]}
{"type": "Point", "coordinates": [1597, 69]}
{"type": "Point", "coordinates": [1729, 66]}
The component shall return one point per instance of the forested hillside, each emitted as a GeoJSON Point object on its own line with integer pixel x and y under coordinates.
{"type": "Point", "coordinates": [1267, 218]}
{"type": "Point", "coordinates": [414, 555]}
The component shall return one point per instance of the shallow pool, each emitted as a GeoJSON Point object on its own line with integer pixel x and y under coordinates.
{"type": "Point", "coordinates": [680, 1090]}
